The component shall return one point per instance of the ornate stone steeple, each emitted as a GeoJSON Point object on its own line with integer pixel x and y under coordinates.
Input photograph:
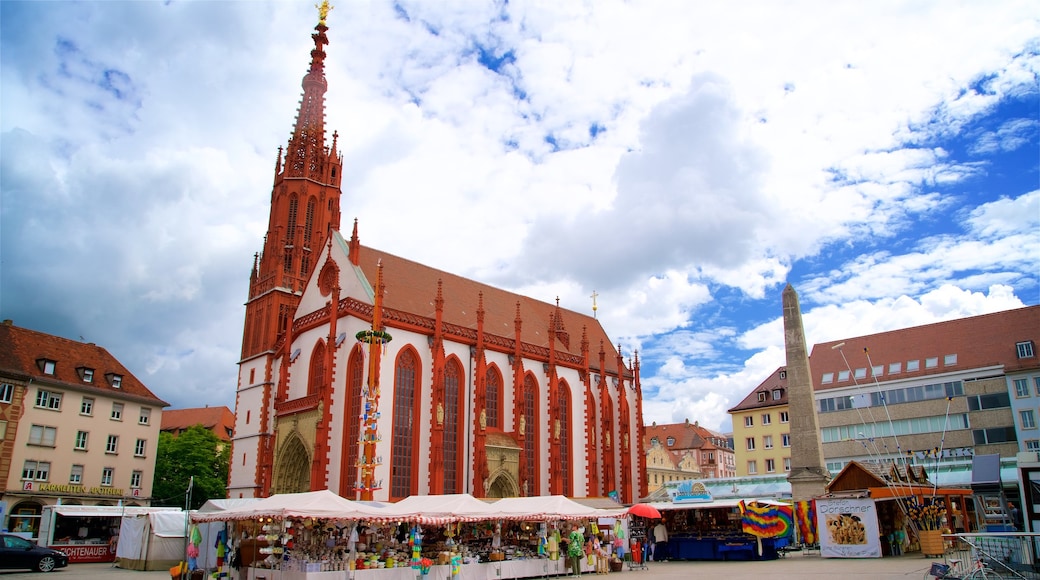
{"type": "Point", "coordinates": [304, 211]}
{"type": "Point", "coordinates": [808, 475]}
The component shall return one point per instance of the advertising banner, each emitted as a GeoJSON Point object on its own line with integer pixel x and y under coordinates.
{"type": "Point", "coordinates": [848, 528]}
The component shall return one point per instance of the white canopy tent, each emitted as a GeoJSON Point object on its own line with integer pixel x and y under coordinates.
{"type": "Point", "coordinates": [151, 541]}
{"type": "Point", "coordinates": [312, 504]}
{"type": "Point", "coordinates": [553, 507]}
{"type": "Point", "coordinates": [220, 505]}
{"type": "Point", "coordinates": [430, 509]}
{"type": "Point", "coordinates": [442, 509]}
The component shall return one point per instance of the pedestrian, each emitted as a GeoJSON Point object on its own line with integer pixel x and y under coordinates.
{"type": "Point", "coordinates": [1016, 516]}
{"type": "Point", "coordinates": [576, 549]}
{"type": "Point", "coordinates": [660, 542]}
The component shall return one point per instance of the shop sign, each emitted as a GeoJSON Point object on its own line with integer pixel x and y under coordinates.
{"type": "Point", "coordinates": [688, 491]}
{"type": "Point", "coordinates": [847, 528]}
{"type": "Point", "coordinates": [945, 453]}
{"type": "Point", "coordinates": [70, 489]}
{"type": "Point", "coordinates": [85, 553]}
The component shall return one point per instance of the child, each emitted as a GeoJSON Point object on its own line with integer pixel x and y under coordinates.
{"type": "Point", "coordinates": [602, 567]}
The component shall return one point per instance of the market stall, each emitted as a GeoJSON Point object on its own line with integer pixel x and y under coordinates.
{"type": "Point", "coordinates": [873, 510]}
{"type": "Point", "coordinates": [210, 532]}
{"type": "Point", "coordinates": [151, 541]}
{"type": "Point", "coordinates": [318, 535]}
{"type": "Point", "coordinates": [713, 530]}
{"type": "Point", "coordinates": [89, 533]}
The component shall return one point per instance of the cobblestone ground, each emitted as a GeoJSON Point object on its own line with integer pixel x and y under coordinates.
{"type": "Point", "coordinates": [794, 567]}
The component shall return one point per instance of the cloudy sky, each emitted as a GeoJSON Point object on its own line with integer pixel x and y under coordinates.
{"type": "Point", "coordinates": [683, 160]}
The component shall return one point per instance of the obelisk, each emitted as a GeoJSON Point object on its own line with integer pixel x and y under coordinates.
{"type": "Point", "coordinates": [808, 475]}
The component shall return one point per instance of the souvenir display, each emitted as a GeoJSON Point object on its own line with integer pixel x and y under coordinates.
{"type": "Point", "coordinates": [442, 543]}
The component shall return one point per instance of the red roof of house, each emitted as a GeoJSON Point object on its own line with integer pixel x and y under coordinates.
{"type": "Point", "coordinates": [22, 352]}
{"type": "Point", "coordinates": [411, 287]}
{"type": "Point", "coordinates": [219, 420]}
{"type": "Point", "coordinates": [978, 341]}
{"type": "Point", "coordinates": [686, 435]}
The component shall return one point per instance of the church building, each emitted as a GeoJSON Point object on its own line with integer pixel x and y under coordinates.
{"type": "Point", "coordinates": [378, 378]}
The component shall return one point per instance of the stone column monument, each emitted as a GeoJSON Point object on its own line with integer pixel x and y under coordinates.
{"type": "Point", "coordinates": [808, 475]}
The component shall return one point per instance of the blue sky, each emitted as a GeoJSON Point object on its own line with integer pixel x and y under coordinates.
{"type": "Point", "coordinates": [683, 160]}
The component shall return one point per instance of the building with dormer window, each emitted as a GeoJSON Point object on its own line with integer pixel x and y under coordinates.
{"type": "Point", "coordinates": [682, 451]}
{"type": "Point", "coordinates": [934, 395]}
{"type": "Point", "coordinates": [76, 427]}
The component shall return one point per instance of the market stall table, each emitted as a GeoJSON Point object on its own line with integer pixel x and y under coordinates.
{"type": "Point", "coordinates": [531, 568]}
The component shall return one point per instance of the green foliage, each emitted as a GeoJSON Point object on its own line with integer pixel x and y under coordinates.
{"type": "Point", "coordinates": [195, 452]}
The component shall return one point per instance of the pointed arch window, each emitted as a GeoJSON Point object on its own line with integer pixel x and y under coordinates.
{"type": "Point", "coordinates": [352, 425]}
{"type": "Point", "coordinates": [294, 204]}
{"type": "Point", "coordinates": [406, 396]}
{"type": "Point", "coordinates": [564, 405]}
{"type": "Point", "coordinates": [452, 400]}
{"type": "Point", "coordinates": [309, 222]}
{"type": "Point", "coordinates": [590, 438]}
{"type": "Point", "coordinates": [493, 399]}
{"type": "Point", "coordinates": [317, 370]}
{"type": "Point", "coordinates": [530, 457]}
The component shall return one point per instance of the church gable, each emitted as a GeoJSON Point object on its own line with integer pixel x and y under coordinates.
{"type": "Point", "coordinates": [334, 269]}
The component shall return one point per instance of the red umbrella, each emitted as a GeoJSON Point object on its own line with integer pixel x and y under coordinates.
{"type": "Point", "coordinates": [644, 510]}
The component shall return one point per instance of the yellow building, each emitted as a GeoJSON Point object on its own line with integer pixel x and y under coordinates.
{"type": "Point", "coordinates": [762, 430]}
{"type": "Point", "coordinates": [664, 465]}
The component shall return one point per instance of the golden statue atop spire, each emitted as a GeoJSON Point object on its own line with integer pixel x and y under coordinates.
{"type": "Point", "coordinates": [323, 10]}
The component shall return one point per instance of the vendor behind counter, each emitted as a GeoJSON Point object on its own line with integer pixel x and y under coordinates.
{"type": "Point", "coordinates": [709, 533]}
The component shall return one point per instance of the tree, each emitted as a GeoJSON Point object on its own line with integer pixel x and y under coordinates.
{"type": "Point", "coordinates": [195, 452]}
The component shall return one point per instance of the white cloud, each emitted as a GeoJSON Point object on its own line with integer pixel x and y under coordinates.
{"type": "Point", "coordinates": [681, 160]}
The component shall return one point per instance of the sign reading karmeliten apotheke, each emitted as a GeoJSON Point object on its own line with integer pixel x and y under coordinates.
{"type": "Point", "coordinates": [72, 489]}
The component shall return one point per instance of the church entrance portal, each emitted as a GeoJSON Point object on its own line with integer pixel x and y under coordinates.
{"type": "Point", "coordinates": [292, 472]}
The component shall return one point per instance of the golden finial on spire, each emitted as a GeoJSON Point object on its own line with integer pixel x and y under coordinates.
{"type": "Point", "coordinates": [323, 10]}
{"type": "Point", "coordinates": [594, 295]}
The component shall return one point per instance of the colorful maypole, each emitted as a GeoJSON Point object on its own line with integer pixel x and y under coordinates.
{"type": "Point", "coordinates": [376, 338]}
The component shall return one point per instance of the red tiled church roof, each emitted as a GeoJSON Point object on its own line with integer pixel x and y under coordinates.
{"type": "Point", "coordinates": [411, 287]}
{"type": "Point", "coordinates": [21, 350]}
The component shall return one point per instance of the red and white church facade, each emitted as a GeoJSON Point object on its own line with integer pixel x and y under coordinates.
{"type": "Point", "coordinates": [379, 378]}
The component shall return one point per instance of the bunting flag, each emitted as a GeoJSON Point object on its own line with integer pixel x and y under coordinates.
{"type": "Point", "coordinates": [766, 520]}
{"type": "Point", "coordinates": [805, 515]}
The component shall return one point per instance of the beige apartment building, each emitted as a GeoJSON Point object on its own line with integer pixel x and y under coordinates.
{"type": "Point", "coordinates": [76, 428]}
{"type": "Point", "coordinates": [939, 393]}
{"type": "Point", "coordinates": [762, 429]}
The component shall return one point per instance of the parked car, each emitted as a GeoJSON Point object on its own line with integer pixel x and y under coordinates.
{"type": "Point", "coordinates": [18, 553]}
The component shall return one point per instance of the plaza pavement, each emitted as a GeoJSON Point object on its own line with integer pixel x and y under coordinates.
{"type": "Point", "coordinates": [795, 567]}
